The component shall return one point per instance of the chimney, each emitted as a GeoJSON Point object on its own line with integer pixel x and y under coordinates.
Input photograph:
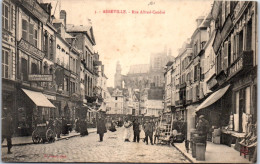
{"type": "Point", "coordinates": [63, 15]}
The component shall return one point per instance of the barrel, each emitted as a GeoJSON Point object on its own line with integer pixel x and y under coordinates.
{"type": "Point", "coordinates": [200, 151]}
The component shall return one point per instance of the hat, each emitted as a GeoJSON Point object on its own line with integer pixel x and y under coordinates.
{"type": "Point", "coordinates": [202, 116]}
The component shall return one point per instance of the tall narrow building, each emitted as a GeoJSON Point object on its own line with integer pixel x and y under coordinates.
{"type": "Point", "coordinates": [118, 76]}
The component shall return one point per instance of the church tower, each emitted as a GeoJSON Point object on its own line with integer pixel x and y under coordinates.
{"type": "Point", "coordinates": [118, 76]}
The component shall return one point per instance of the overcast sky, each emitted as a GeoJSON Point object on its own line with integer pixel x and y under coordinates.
{"type": "Point", "coordinates": [131, 38]}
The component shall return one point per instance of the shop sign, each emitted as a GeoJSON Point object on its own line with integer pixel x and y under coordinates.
{"type": "Point", "coordinates": [34, 7]}
{"type": "Point", "coordinates": [226, 27]}
{"type": "Point", "coordinates": [47, 78]}
{"type": "Point", "coordinates": [236, 67]}
{"type": "Point", "coordinates": [25, 46]}
{"type": "Point", "coordinates": [244, 62]}
{"type": "Point", "coordinates": [50, 97]}
{"type": "Point", "coordinates": [217, 42]}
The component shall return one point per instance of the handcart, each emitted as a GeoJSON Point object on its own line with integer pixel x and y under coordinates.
{"type": "Point", "coordinates": [43, 133]}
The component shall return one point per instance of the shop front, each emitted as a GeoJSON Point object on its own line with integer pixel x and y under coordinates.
{"type": "Point", "coordinates": [32, 108]}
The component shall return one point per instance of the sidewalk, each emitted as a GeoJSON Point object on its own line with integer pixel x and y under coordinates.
{"type": "Point", "coordinates": [18, 141]}
{"type": "Point", "coordinates": [215, 153]}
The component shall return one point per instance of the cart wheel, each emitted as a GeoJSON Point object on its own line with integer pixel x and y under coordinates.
{"type": "Point", "coordinates": [35, 137]}
{"type": "Point", "coordinates": [50, 135]}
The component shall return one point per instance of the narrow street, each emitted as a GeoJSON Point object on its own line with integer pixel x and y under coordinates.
{"type": "Point", "coordinates": [88, 149]}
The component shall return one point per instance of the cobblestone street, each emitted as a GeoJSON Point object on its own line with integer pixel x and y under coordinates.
{"type": "Point", "coordinates": [88, 149]}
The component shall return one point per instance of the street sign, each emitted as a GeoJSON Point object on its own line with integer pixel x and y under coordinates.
{"type": "Point", "coordinates": [40, 78]}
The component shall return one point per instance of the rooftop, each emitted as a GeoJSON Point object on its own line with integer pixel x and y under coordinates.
{"type": "Point", "coordinates": [81, 28]}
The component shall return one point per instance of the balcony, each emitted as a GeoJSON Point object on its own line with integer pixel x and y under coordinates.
{"type": "Point", "coordinates": [241, 64]}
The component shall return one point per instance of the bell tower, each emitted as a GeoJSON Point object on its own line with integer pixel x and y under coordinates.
{"type": "Point", "coordinates": [118, 76]}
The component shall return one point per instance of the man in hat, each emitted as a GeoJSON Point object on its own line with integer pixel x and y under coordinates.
{"type": "Point", "coordinates": [101, 127]}
{"type": "Point", "coordinates": [148, 130]}
{"type": "Point", "coordinates": [203, 128]}
{"type": "Point", "coordinates": [7, 128]}
{"type": "Point", "coordinates": [136, 128]}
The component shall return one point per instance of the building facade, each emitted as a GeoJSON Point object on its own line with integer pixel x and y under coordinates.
{"type": "Point", "coordinates": [215, 74]}
{"type": "Point", "coordinates": [41, 72]}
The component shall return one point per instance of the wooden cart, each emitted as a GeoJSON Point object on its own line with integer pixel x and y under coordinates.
{"type": "Point", "coordinates": [43, 133]}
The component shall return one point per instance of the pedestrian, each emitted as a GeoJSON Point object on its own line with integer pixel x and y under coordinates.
{"type": "Point", "coordinates": [112, 127]}
{"type": "Point", "coordinates": [101, 127]}
{"type": "Point", "coordinates": [83, 127]}
{"type": "Point", "coordinates": [127, 133]}
{"type": "Point", "coordinates": [7, 129]}
{"type": "Point", "coordinates": [64, 126]}
{"type": "Point", "coordinates": [157, 134]}
{"type": "Point", "coordinates": [136, 128]}
{"type": "Point", "coordinates": [203, 128]}
{"type": "Point", "coordinates": [58, 127]}
{"type": "Point", "coordinates": [77, 125]}
{"type": "Point", "coordinates": [148, 129]}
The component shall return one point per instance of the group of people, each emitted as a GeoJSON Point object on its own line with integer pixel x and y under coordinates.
{"type": "Point", "coordinates": [148, 127]}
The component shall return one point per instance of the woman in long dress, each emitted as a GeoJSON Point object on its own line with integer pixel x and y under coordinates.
{"type": "Point", "coordinates": [127, 133]}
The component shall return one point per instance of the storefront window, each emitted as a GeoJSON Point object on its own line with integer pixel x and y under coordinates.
{"type": "Point", "coordinates": [243, 109]}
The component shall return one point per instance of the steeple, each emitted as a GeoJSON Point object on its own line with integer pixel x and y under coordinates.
{"type": "Point", "coordinates": [118, 68]}
{"type": "Point", "coordinates": [118, 76]}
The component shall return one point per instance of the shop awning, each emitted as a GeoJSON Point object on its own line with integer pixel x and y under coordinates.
{"type": "Point", "coordinates": [212, 98]}
{"type": "Point", "coordinates": [38, 98]}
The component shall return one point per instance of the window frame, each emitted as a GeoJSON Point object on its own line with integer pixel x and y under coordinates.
{"type": "Point", "coordinates": [6, 19]}
{"type": "Point", "coordinates": [5, 63]}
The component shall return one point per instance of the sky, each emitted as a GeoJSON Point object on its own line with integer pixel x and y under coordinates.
{"type": "Point", "coordinates": [131, 38]}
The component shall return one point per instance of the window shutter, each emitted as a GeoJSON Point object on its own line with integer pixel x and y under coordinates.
{"type": "Point", "coordinates": [198, 72]}
{"type": "Point", "coordinates": [190, 93]}
{"type": "Point", "coordinates": [232, 49]}
{"type": "Point", "coordinates": [11, 18]}
{"type": "Point", "coordinates": [192, 76]}
{"type": "Point", "coordinates": [225, 62]}
{"type": "Point", "coordinates": [222, 58]}
{"type": "Point", "coordinates": [228, 7]}
{"type": "Point", "coordinates": [237, 47]}
{"type": "Point", "coordinates": [223, 13]}
{"type": "Point", "coordinates": [25, 29]}
{"type": "Point", "coordinates": [31, 33]}
{"type": "Point", "coordinates": [202, 65]}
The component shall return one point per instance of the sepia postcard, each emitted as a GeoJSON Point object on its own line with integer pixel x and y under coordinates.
{"type": "Point", "coordinates": [129, 81]}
